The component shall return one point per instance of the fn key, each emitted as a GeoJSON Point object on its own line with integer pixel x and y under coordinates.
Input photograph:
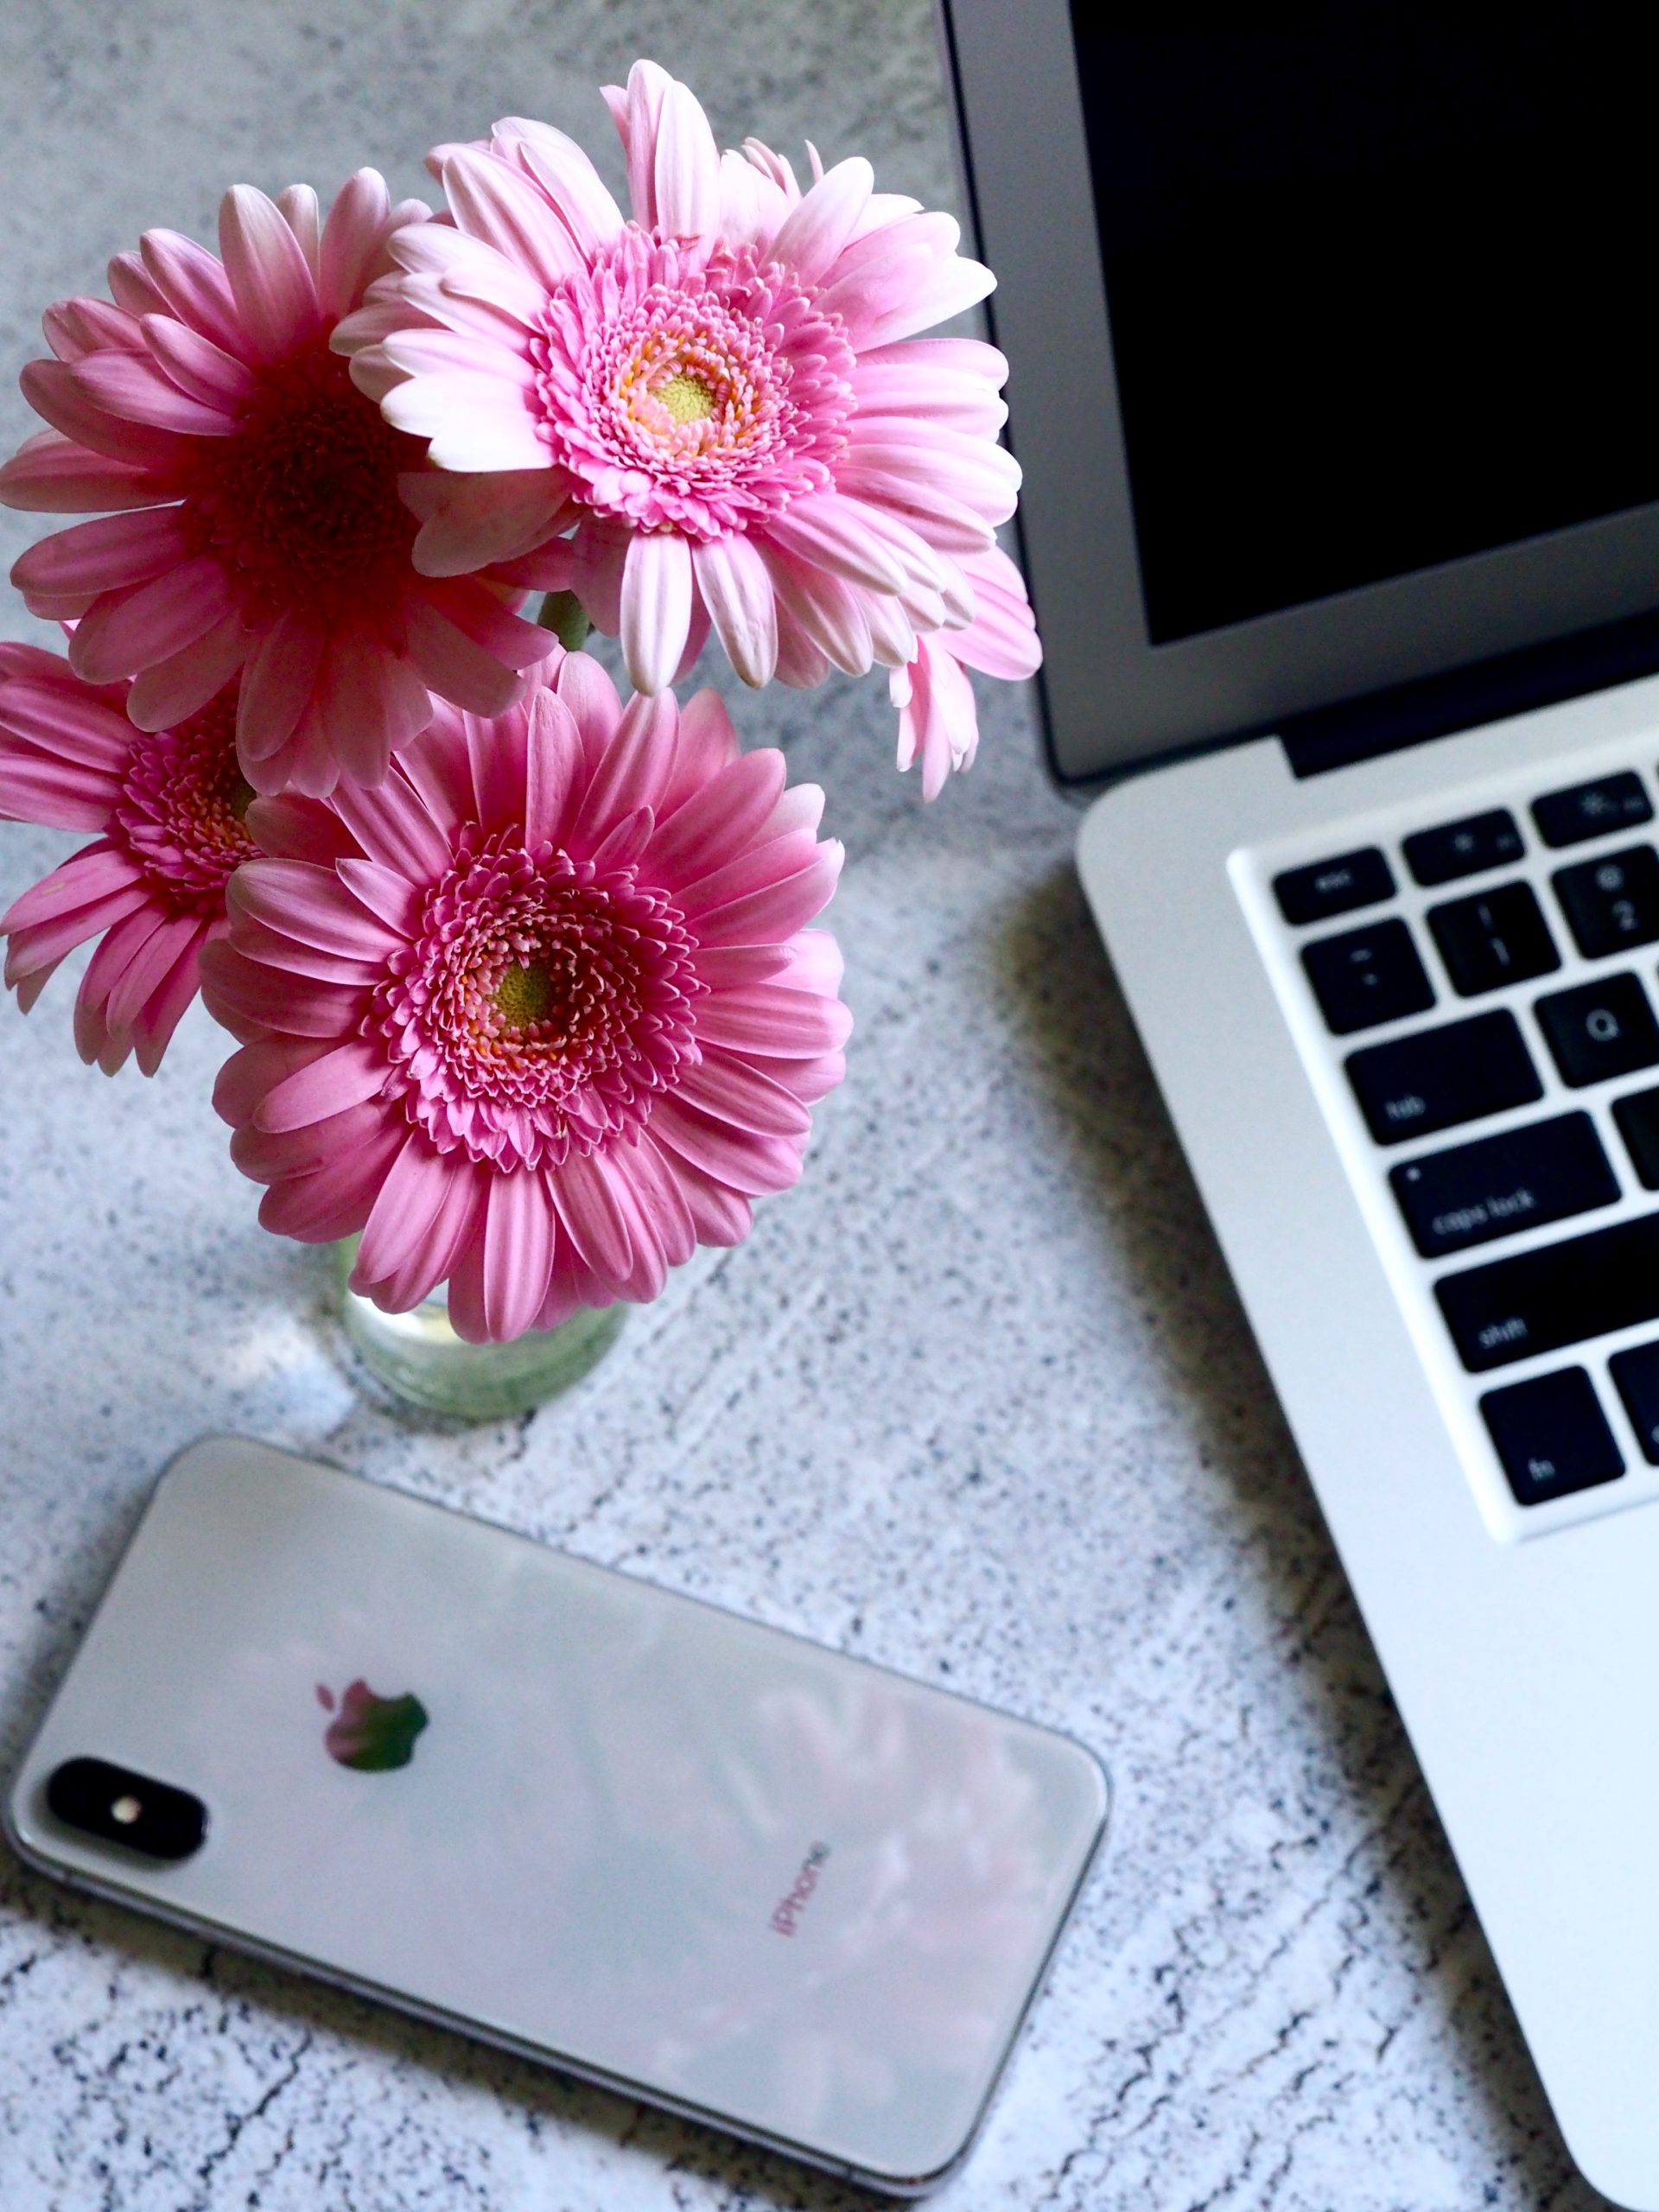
{"type": "Point", "coordinates": [1552, 1436]}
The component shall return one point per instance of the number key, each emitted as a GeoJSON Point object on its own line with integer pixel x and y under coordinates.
{"type": "Point", "coordinates": [1498, 936]}
{"type": "Point", "coordinates": [1613, 903]}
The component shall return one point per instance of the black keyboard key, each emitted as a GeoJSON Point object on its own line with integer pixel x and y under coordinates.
{"type": "Point", "coordinates": [1461, 848]}
{"type": "Point", "coordinates": [1637, 1374]}
{"type": "Point", "coordinates": [1602, 1029]}
{"type": "Point", "coordinates": [1332, 887]}
{"type": "Point", "coordinates": [1499, 1185]}
{"type": "Point", "coordinates": [1498, 936]}
{"type": "Point", "coordinates": [1552, 1436]}
{"type": "Point", "coordinates": [1639, 1124]}
{"type": "Point", "coordinates": [1612, 904]}
{"type": "Point", "coordinates": [1592, 810]}
{"type": "Point", "coordinates": [1564, 1294]}
{"type": "Point", "coordinates": [1414, 1085]}
{"type": "Point", "coordinates": [1368, 977]}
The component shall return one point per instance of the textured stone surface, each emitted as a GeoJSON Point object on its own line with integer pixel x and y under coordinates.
{"type": "Point", "coordinates": [976, 1401]}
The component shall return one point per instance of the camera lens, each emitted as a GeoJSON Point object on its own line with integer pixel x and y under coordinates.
{"type": "Point", "coordinates": [134, 1810]}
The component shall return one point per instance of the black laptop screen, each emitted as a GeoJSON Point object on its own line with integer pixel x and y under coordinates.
{"type": "Point", "coordinates": [1382, 286]}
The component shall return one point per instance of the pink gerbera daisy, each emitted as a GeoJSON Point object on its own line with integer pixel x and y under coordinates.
{"type": "Point", "coordinates": [168, 807]}
{"type": "Point", "coordinates": [724, 393]}
{"type": "Point", "coordinates": [538, 1015]}
{"type": "Point", "coordinates": [267, 508]}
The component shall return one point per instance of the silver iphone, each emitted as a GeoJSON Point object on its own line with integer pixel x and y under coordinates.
{"type": "Point", "coordinates": [693, 1858]}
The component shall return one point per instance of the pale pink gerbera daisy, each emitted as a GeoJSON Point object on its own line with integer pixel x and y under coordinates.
{"type": "Point", "coordinates": [168, 805]}
{"type": "Point", "coordinates": [541, 1013]}
{"type": "Point", "coordinates": [264, 528]}
{"type": "Point", "coordinates": [724, 394]}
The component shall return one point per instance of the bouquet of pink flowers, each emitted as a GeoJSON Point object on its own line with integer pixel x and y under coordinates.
{"type": "Point", "coordinates": [521, 974]}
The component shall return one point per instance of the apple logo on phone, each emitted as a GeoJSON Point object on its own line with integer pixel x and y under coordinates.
{"type": "Point", "coordinates": [371, 1733]}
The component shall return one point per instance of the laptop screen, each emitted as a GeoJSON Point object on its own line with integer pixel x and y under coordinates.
{"type": "Point", "coordinates": [1379, 280]}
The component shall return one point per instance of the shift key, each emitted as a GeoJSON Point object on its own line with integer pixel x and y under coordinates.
{"type": "Point", "coordinates": [1555, 1296]}
{"type": "Point", "coordinates": [1442, 1078]}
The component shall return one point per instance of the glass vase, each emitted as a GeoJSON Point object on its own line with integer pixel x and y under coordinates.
{"type": "Point", "coordinates": [419, 1358]}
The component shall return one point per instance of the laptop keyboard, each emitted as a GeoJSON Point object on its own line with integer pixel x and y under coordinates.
{"type": "Point", "coordinates": [1469, 996]}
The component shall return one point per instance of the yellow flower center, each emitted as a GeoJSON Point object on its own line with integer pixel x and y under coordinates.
{"type": "Point", "coordinates": [524, 994]}
{"type": "Point", "coordinates": [687, 399]}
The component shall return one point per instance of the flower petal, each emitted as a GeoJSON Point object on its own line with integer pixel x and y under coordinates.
{"type": "Point", "coordinates": [270, 280]}
{"type": "Point", "coordinates": [44, 943]}
{"type": "Point", "coordinates": [132, 386]}
{"type": "Point", "coordinates": [107, 554]}
{"type": "Point", "coordinates": [128, 630]}
{"type": "Point", "coordinates": [595, 1225]}
{"type": "Point", "coordinates": [408, 1206]}
{"type": "Point", "coordinates": [195, 285]}
{"type": "Point", "coordinates": [554, 769]}
{"type": "Point", "coordinates": [828, 609]}
{"type": "Point", "coordinates": [54, 389]}
{"type": "Point", "coordinates": [163, 1011]}
{"type": "Point", "coordinates": [778, 909]}
{"type": "Point", "coordinates": [453, 664]}
{"type": "Point", "coordinates": [277, 682]}
{"type": "Point", "coordinates": [343, 1078]}
{"type": "Point", "coordinates": [463, 1196]}
{"type": "Point", "coordinates": [728, 1089]}
{"type": "Point", "coordinates": [571, 183]}
{"type": "Point", "coordinates": [815, 232]}
{"type": "Point", "coordinates": [306, 902]}
{"type": "Point", "coordinates": [757, 1167]}
{"type": "Point", "coordinates": [501, 208]}
{"type": "Point", "coordinates": [724, 813]}
{"type": "Point", "coordinates": [85, 879]}
{"type": "Point", "coordinates": [637, 115]}
{"type": "Point", "coordinates": [74, 328]}
{"type": "Point", "coordinates": [471, 521]}
{"type": "Point", "coordinates": [720, 1215]}
{"type": "Point", "coordinates": [202, 370]}
{"type": "Point", "coordinates": [656, 607]}
{"type": "Point", "coordinates": [737, 590]}
{"type": "Point", "coordinates": [51, 474]}
{"type": "Point", "coordinates": [353, 241]}
{"type": "Point", "coordinates": [830, 532]}
{"type": "Point", "coordinates": [519, 1236]}
{"type": "Point", "coordinates": [473, 421]}
{"type": "Point", "coordinates": [173, 689]}
{"type": "Point", "coordinates": [773, 1023]}
{"type": "Point", "coordinates": [393, 827]}
{"type": "Point", "coordinates": [251, 998]}
{"type": "Point", "coordinates": [685, 167]}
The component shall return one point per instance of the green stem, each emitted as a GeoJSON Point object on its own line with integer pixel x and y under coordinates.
{"type": "Point", "coordinates": [563, 614]}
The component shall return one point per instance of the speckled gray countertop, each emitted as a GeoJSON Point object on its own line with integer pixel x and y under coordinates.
{"type": "Point", "coordinates": [976, 1401]}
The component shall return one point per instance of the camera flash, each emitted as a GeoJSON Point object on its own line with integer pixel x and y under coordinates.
{"type": "Point", "coordinates": [126, 1810]}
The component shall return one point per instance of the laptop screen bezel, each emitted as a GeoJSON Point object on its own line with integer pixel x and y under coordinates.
{"type": "Point", "coordinates": [1112, 700]}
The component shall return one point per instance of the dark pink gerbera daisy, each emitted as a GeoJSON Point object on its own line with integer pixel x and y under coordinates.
{"type": "Point", "coordinates": [168, 805]}
{"type": "Point", "coordinates": [541, 1013]}
{"type": "Point", "coordinates": [267, 511]}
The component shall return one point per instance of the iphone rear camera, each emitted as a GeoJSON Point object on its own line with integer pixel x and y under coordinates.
{"type": "Point", "coordinates": [134, 1810]}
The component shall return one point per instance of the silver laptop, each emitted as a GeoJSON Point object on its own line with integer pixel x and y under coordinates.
{"type": "Point", "coordinates": [1338, 409]}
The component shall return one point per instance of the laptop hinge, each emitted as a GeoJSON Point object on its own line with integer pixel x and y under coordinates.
{"type": "Point", "coordinates": [1463, 698]}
